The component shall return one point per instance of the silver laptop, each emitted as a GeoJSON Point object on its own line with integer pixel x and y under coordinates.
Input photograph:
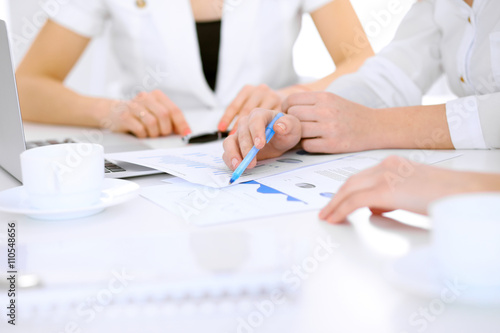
{"type": "Point", "coordinates": [12, 141]}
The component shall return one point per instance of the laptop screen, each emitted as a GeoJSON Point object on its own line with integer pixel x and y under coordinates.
{"type": "Point", "coordinates": [11, 129]}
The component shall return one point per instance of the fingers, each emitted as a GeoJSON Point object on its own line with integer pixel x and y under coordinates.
{"type": "Point", "coordinates": [379, 211]}
{"type": "Point", "coordinates": [287, 129]}
{"type": "Point", "coordinates": [271, 102]}
{"type": "Point", "coordinates": [237, 146]}
{"type": "Point", "coordinates": [252, 132]}
{"type": "Point", "coordinates": [365, 189]}
{"type": "Point", "coordinates": [151, 114]}
{"type": "Point", "coordinates": [311, 129]}
{"type": "Point", "coordinates": [257, 123]}
{"type": "Point", "coordinates": [232, 155]}
{"type": "Point", "coordinates": [250, 98]}
{"type": "Point", "coordinates": [306, 98]}
{"type": "Point", "coordinates": [253, 101]}
{"type": "Point", "coordinates": [336, 212]}
{"type": "Point", "coordinates": [317, 145]}
{"type": "Point", "coordinates": [258, 99]}
{"type": "Point", "coordinates": [235, 128]}
{"type": "Point", "coordinates": [286, 125]}
{"type": "Point", "coordinates": [360, 182]}
{"type": "Point", "coordinates": [347, 200]}
{"type": "Point", "coordinates": [180, 125]}
{"type": "Point", "coordinates": [129, 123]}
{"type": "Point", "coordinates": [145, 118]}
{"type": "Point", "coordinates": [246, 141]}
{"type": "Point", "coordinates": [304, 113]}
{"type": "Point", "coordinates": [234, 108]}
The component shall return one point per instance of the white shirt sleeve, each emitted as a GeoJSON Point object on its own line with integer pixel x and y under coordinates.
{"type": "Point", "coordinates": [404, 70]}
{"type": "Point", "coordinates": [474, 121]}
{"type": "Point", "coordinates": [379, 83]}
{"type": "Point", "coordinates": [464, 123]}
{"type": "Point", "coordinates": [489, 115]}
{"type": "Point", "coordinates": [309, 6]}
{"type": "Point", "coordinates": [85, 17]}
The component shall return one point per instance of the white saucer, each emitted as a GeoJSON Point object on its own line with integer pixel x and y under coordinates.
{"type": "Point", "coordinates": [114, 192]}
{"type": "Point", "coordinates": [418, 273]}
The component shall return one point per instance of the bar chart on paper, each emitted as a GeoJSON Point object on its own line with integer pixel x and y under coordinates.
{"type": "Point", "coordinates": [201, 205]}
{"type": "Point", "coordinates": [299, 190]}
{"type": "Point", "coordinates": [291, 192]}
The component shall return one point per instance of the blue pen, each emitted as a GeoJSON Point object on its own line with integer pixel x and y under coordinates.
{"type": "Point", "coordinates": [250, 156]}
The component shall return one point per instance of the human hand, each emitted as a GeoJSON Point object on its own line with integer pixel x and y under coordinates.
{"type": "Point", "coordinates": [398, 183]}
{"type": "Point", "coordinates": [252, 131]}
{"type": "Point", "coordinates": [331, 124]}
{"type": "Point", "coordinates": [149, 114]}
{"type": "Point", "coordinates": [249, 98]}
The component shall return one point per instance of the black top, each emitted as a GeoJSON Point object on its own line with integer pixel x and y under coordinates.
{"type": "Point", "coordinates": [209, 42]}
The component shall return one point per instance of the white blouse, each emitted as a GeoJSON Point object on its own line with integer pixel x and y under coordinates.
{"type": "Point", "coordinates": [155, 44]}
{"type": "Point", "coordinates": [436, 37]}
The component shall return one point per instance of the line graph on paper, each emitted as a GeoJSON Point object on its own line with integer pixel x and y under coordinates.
{"type": "Point", "coordinates": [197, 161]}
{"type": "Point", "coordinates": [244, 201]}
{"type": "Point", "coordinates": [203, 164]}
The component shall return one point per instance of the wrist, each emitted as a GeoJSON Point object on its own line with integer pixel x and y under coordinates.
{"type": "Point", "coordinates": [296, 88]}
{"type": "Point", "coordinates": [379, 129]}
{"type": "Point", "coordinates": [483, 182]}
{"type": "Point", "coordinates": [396, 128]}
{"type": "Point", "coordinates": [302, 87]}
{"type": "Point", "coordinates": [106, 112]}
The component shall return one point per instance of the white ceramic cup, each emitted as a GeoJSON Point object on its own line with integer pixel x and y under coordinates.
{"type": "Point", "coordinates": [63, 176]}
{"type": "Point", "coordinates": [466, 238]}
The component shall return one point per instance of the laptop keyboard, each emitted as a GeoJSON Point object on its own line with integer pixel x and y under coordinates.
{"type": "Point", "coordinates": [109, 167]}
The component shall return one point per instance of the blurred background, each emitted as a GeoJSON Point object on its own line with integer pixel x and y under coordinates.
{"type": "Point", "coordinates": [311, 59]}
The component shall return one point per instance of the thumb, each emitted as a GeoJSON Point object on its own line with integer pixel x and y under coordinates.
{"type": "Point", "coordinates": [288, 132]}
{"type": "Point", "coordinates": [286, 125]}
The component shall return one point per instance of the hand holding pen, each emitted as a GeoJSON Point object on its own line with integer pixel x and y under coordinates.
{"type": "Point", "coordinates": [253, 152]}
{"type": "Point", "coordinates": [252, 132]}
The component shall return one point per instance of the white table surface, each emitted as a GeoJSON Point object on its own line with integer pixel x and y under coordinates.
{"type": "Point", "coordinates": [348, 292]}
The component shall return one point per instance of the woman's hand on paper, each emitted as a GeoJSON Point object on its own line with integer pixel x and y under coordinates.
{"type": "Point", "coordinates": [397, 183]}
{"type": "Point", "coordinates": [251, 131]}
{"type": "Point", "coordinates": [249, 98]}
{"type": "Point", "coordinates": [149, 114]}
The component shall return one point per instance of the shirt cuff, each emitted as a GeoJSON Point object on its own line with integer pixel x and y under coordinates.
{"type": "Point", "coordinates": [464, 123]}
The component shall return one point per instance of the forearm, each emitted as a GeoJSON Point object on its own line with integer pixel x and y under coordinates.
{"type": "Point", "coordinates": [439, 183]}
{"type": "Point", "coordinates": [47, 100]}
{"type": "Point", "coordinates": [340, 28]}
{"type": "Point", "coordinates": [423, 185]}
{"type": "Point", "coordinates": [414, 127]}
{"type": "Point", "coordinates": [478, 182]}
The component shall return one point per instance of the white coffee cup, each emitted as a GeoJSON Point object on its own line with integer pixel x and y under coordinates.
{"type": "Point", "coordinates": [63, 176]}
{"type": "Point", "coordinates": [466, 238]}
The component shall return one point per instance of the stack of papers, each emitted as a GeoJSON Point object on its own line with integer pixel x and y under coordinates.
{"type": "Point", "coordinates": [203, 164]}
{"type": "Point", "coordinates": [306, 189]}
{"type": "Point", "coordinates": [294, 182]}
